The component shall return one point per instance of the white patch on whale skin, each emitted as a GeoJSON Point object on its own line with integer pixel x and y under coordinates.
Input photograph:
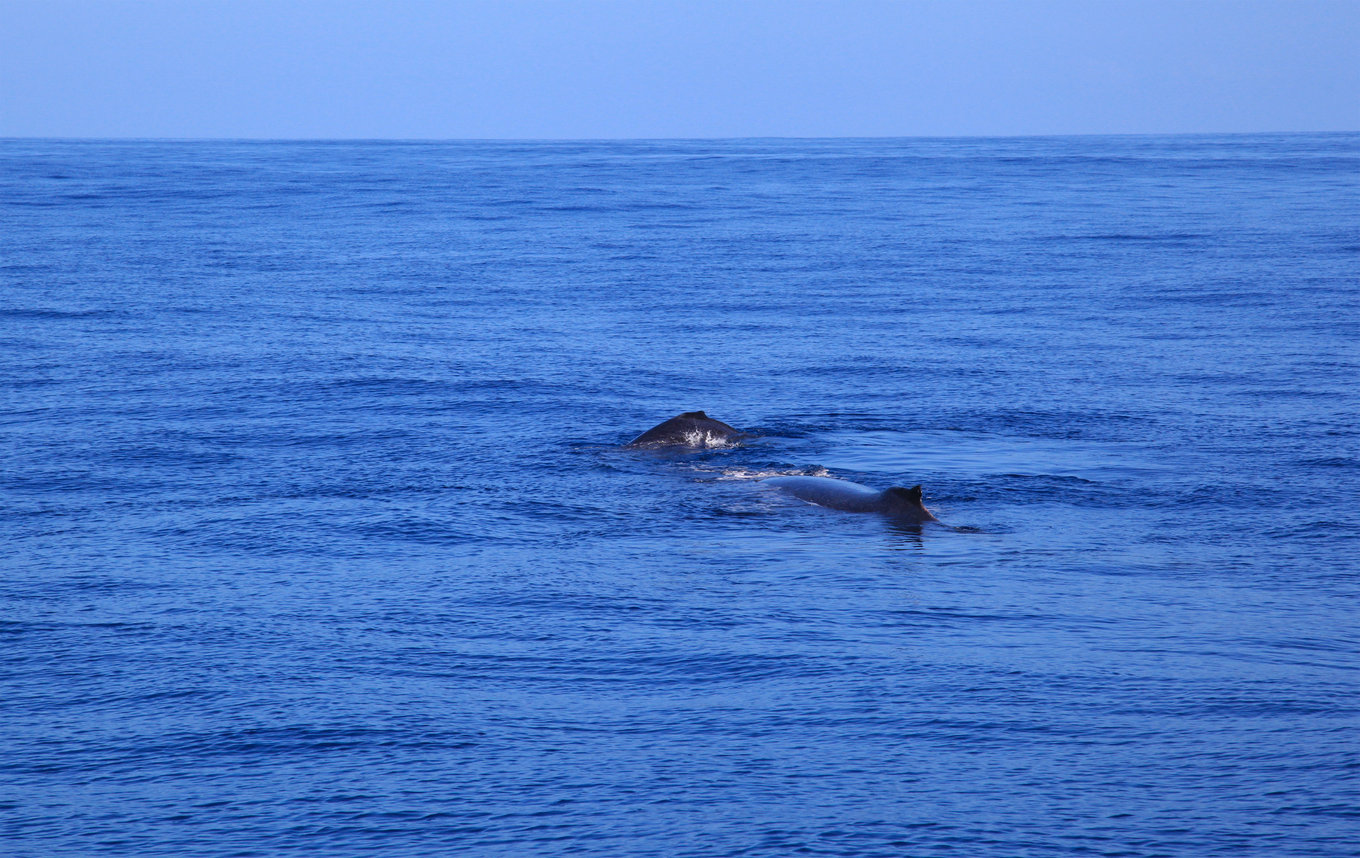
{"type": "Point", "coordinates": [695, 440]}
{"type": "Point", "coordinates": [707, 440]}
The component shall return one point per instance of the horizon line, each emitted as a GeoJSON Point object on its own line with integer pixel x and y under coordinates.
{"type": "Point", "coordinates": [694, 139]}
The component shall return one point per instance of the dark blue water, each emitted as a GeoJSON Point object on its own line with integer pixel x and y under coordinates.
{"type": "Point", "coordinates": [318, 538]}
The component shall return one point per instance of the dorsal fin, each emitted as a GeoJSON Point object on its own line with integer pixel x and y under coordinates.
{"type": "Point", "coordinates": [697, 415]}
{"type": "Point", "coordinates": [911, 495]}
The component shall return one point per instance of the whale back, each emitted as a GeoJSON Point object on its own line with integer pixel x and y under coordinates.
{"type": "Point", "coordinates": [903, 505]}
{"type": "Point", "coordinates": [830, 493]}
{"type": "Point", "coordinates": [690, 429]}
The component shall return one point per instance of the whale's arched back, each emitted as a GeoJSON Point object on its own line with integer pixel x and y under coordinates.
{"type": "Point", "coordinates": [690, 429]}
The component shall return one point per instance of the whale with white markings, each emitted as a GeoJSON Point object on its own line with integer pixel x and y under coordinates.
{"type": "Point", "coordinates": [901, 504]}
{"type": "Point", "coordinates": [691, 429]}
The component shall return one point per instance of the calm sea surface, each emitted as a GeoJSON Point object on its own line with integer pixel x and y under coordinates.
{"type": "Point", "coordinates": [318, 537]}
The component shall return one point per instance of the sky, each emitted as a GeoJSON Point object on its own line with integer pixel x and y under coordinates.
{"type": "Point", "coordinates": [587, 69]}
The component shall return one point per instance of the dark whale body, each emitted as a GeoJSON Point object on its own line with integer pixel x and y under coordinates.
{"type": "Point", "coordinates": [903, 505]}
{"type": "Point", "coordinates": [691, 429]}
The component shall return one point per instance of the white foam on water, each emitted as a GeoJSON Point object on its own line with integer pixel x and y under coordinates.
{"type": "Point", "coordinates": [766, 473]}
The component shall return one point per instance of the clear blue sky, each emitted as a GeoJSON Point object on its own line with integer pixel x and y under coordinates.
{"type": "Point", "coordinates": [637, 68]}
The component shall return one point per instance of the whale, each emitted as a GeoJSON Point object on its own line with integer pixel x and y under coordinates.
{"type": "Point", "coordinates": [691, 429]}
{"type": "Point", "coordinates": [901, 504]}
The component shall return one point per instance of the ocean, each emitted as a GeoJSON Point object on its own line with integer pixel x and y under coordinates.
{"type": "Point", "coordinates": [320, 534]}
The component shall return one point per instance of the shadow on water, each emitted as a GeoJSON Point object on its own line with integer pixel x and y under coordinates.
{"type": "Point", "coordinates": [913, 534]}
{"type": "Point", "coordinates": [905, 536]}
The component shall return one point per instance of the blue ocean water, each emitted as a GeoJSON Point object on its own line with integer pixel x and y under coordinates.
{"type": "Point", "coordinates": [320, 539]}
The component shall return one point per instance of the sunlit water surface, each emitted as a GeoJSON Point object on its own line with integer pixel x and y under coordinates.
{"type": "Point", "coordinates": [319, 538]}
